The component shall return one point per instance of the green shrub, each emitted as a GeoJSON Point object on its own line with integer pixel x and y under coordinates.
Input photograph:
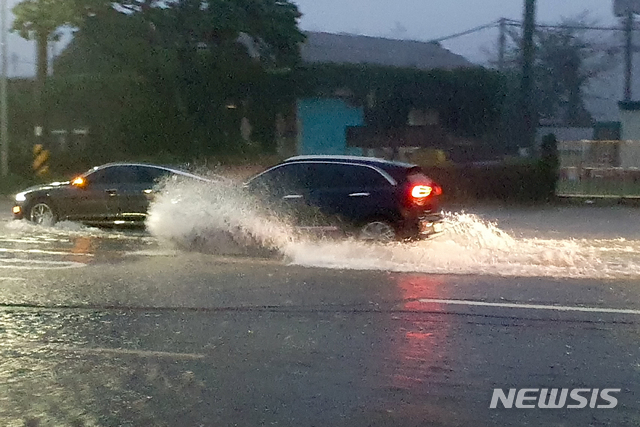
{"type": "Point", "coordinates": [523, 183]}
{"type": "Point", "coordinates": [549, 165]}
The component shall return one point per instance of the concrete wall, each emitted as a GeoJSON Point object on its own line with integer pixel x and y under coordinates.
{"type": "Point", "coordinates": [563, 133]}
{"type": "Point", "coordinates": [630, 135]}
{"type": "Point", "coordinates": [599, 154]}
{"type": "Point", "coordinates": [630, 154]}
{"type": "Point", "coordinates": [322, 126]}
{"type": "Point", "coordinates": [630, 120]}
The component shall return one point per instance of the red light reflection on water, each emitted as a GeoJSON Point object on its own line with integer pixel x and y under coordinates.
{"type": "Point", "coordinates": [83, 248]}
{"type": "Point", "coordinates": [418, 350]}
{"type": "Point", "coordinates": [413, 287]}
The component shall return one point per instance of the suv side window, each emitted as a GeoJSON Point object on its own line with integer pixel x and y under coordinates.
{"type": "Point", "coordinates": [363, 176]}
{"type": "Point", "coordinates": [284, 178]}
{"type": "Point", "coordinates": [336, 175]}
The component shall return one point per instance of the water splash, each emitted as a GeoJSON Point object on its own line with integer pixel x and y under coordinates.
{"type": "Point", "coordinates": [472, 246]}
{"type": "Point", "coordinates": [217, 217]}
{"type": "Point", "coordinates": [222, 218]}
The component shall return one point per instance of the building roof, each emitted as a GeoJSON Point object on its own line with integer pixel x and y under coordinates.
{"type": "Point", "coordinates": [356, 49]}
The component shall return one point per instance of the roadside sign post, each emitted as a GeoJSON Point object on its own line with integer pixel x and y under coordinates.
{"type": "Point", "coordinates": [40, 160]}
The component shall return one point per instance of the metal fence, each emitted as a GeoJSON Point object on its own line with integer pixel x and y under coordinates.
{"type": "Point", "coordinates": [599, 168]}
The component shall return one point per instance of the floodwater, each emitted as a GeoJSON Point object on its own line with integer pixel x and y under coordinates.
{"type": "Point", "coordinates": [588, 241]}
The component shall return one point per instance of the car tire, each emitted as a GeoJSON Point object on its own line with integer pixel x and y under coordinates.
{"type": "Point", "coordinates": [41, 212]}
{"type": "Point", "coordinates": [378, 231]}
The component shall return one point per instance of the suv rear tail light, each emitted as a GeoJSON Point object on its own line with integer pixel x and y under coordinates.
{"type": "Point", "coordinates": [421, 191]}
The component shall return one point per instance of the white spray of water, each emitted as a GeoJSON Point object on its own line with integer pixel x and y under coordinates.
{"type": "Point", "coordinates": [219, 217]}
{"type": "Point", "coordinates": [223, 217]}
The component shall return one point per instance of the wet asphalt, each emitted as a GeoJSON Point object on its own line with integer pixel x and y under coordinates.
{"type": "Point", "coordinates": [110, 328]}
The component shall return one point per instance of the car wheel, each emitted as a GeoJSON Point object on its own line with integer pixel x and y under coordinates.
{"type": "Point", "coordinates": [378, 231]}
{"type": "Point", "coordinates": [41, 213]}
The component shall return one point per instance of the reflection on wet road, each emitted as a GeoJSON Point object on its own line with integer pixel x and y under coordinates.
{"type": "Point", "coordinates": [110, 368]}
{"type": "Point", "coordinates": [24, 246]}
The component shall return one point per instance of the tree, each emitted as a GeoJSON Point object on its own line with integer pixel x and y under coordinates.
{"type": "Point", "coordinates": [198, 67]}
{"type": "Point", "coordinates": [40, 20]}
{"type": "Point", "coordinates": [567, 59]}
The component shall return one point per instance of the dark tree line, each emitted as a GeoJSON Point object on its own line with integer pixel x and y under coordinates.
{"type": "Point", "coordinates": [175, 79]}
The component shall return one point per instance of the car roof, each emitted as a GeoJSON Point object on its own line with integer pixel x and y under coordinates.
{"type": "Point", "coordinates": [167, 168]}
{"type": "Point", "coordinates": [360, 160]}
{"type": "Point", "coordinates": [396, 170]}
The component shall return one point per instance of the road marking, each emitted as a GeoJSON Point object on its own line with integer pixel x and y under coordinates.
{"type": "Point", "coordinates": [16, 279]}
{"type": "Point", "coordinates": [32, 264]}
{"type": "Point", "coordinates": [530, 306]}
{"type": "Point", "coordinates": [41, 252]}
{"type": "Point", "coordinates": [127, 352]}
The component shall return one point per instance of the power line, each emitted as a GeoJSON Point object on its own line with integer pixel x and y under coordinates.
{"type": "Point", "coordinates": [514, 23]}
{"type": "Point", "coordinates": [493, 24]}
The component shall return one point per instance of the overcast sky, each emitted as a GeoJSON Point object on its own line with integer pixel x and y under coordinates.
{"type": "Point", "coordinates": [429, 19]}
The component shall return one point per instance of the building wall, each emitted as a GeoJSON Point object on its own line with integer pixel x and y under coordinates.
{"type": "Point", "coordinates": [322, 126]}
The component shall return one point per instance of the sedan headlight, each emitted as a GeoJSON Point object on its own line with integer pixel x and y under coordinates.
{"type": "Point", "coordinates": [21, 197]}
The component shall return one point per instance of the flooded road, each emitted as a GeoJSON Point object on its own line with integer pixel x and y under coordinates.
{"type": "Point", "coordinates": [109, 328]}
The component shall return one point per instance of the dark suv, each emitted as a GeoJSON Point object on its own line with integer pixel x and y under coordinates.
{"type": "Point", "coordinates": [371, 198]}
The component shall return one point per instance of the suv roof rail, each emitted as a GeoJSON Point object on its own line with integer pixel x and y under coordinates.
{"type": "Point", "coordinates": [356, 159]}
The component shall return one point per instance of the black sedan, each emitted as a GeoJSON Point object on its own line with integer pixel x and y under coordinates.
{"type": "Point", "coordinates": [112, 194]}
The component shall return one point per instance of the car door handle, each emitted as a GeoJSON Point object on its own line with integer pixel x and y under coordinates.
{"type": "Point", "coordinates": [111, 192]}
{"type": "Point", "coordinates": [293, 196]}
{"type": "Point", "coordinates": [359, 194]}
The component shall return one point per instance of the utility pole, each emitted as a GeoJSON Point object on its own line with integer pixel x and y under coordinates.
{"type": "Point", "coordinates": [502, 44]}
{"type": "Point", "coordinates": [4, 133]}
{"type": "Point", "coordinates": [529, 116]}
{"type": "Point", "coordinates": [628, 56]}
